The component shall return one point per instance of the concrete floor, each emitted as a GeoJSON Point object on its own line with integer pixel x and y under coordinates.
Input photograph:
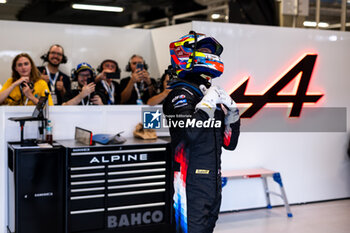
{"type": "Point", "coordinates": [322, 217]}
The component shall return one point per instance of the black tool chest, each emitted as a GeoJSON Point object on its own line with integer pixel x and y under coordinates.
{"type": "Point", "coordinates": [116, 188]}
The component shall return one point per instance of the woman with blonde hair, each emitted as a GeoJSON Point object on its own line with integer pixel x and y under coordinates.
{"type": "Point", "coordinates": [25, 87]}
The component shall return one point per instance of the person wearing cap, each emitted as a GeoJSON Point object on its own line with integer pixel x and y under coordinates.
{"type": "Point", "coordinates": [105, 81]}
{"type": "Point", "coordinates": [199, 129]}
{"type": "Point", "coordinates": [83, 87]}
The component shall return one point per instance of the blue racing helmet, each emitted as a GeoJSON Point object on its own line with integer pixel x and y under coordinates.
{"type": "Point", "coordinates": [196, 53]}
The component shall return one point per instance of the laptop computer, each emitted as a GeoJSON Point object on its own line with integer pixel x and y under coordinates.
{"type": "Point", "coordinates": [37, 114]}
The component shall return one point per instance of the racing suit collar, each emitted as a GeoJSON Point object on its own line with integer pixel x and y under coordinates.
{"type": "Point", "coordinates": [180, 82]}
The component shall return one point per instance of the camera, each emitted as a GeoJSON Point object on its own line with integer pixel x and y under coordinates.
{"type": "Point", "coordinates": [139, 66]}
{"type": "Point", "coordinates": [170, 71]}
{"type": "Point", "coordinates": [30, 85]}
{"type": "Point", "coordinates": [90, 80]}
{"type": "Point", "coordinates": [113, 75]}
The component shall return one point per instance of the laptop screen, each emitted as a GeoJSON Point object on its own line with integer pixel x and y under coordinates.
{"type": "Point", "coordinates": [40, 106]}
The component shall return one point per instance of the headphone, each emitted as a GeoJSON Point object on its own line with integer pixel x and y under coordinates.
{"type": "Point", "coordinates": [100, 67]}
{"type": "Point", "coordinates": [128, 66]}
{"type": "Point", "coordinates": [45, 57]}
{"type": "Point", "coordinates": [81, 67]}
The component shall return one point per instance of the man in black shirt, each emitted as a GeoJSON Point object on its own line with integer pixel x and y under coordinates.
{"type": "Point", "coordinates": [83, 88]}
{"type": "Point", "coordinates": [139, 87]}
{"type": "Point", "coordinates": [58, 82]}
{"type": "Point", "coordinates": [105, 81]}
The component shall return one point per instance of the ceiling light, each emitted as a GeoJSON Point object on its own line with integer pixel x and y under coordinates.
{"type": "Point", "coordinates": [323, 25]}
{"type": "Point", "coordinates": [313, 24]}
{"type": "Point", "coordinates": [309, 24]}
{"type": "Point", "coordinates": [215, 16]}
{"type": "Point", "coordinates": [2, 1]}
{"type": "Point", "coordinates": [97, 8]}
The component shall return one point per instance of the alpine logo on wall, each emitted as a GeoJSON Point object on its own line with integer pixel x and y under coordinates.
{"type": "Point", "coordinates": [303, 70]}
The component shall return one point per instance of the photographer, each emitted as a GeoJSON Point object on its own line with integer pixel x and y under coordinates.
{"type": "Point", "coordinates": [163, 90]}
{"type": "Point", "coordinates": [139, 87]}
{"type": "Point", "coordinates": [105, 84]}
{"type": "Point", "coordinates": [25, 87]}
{"type": "Point", "coordinates": [83, 88]}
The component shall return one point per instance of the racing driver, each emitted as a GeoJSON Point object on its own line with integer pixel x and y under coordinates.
{"type": "Point", "coordinates": [210, 120]}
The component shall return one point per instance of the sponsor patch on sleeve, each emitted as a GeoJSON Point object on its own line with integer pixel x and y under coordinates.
{"type": "Point", "coordinates": [178, 97]}
{"type": "Point", "coordinates": [180, 103]}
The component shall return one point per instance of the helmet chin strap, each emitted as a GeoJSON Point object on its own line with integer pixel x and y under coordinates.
{"type": "Point", "coordinates": [208, 80]}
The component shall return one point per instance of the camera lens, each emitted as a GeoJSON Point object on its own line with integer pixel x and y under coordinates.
{"type": "Point", "coordinates": [30, 85]}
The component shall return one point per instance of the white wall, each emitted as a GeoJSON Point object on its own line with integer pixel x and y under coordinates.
{"type": "Point", "coordinates": [90, 44]}
{"type": "Point", "coordinates": [314, 166]}
{"type": "Point", "coordinates": [162, 37]}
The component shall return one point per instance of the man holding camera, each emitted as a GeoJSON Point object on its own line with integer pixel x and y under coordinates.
{"type": "Point", "coordinates": [58, 82]}
{"type": "Point", "coordinates": [83, 88]}
{"type": "Point", "coordinates": [139, 87]}
{"type": "Point", "coordinates": [105, 84]}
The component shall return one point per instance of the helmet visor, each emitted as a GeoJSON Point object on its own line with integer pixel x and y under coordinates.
{"type": "Point", "coordinates": [209, 43]}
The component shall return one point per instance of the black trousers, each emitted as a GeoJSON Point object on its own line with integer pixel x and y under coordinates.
{"type": "Point", "coordinates": [203, 200]}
